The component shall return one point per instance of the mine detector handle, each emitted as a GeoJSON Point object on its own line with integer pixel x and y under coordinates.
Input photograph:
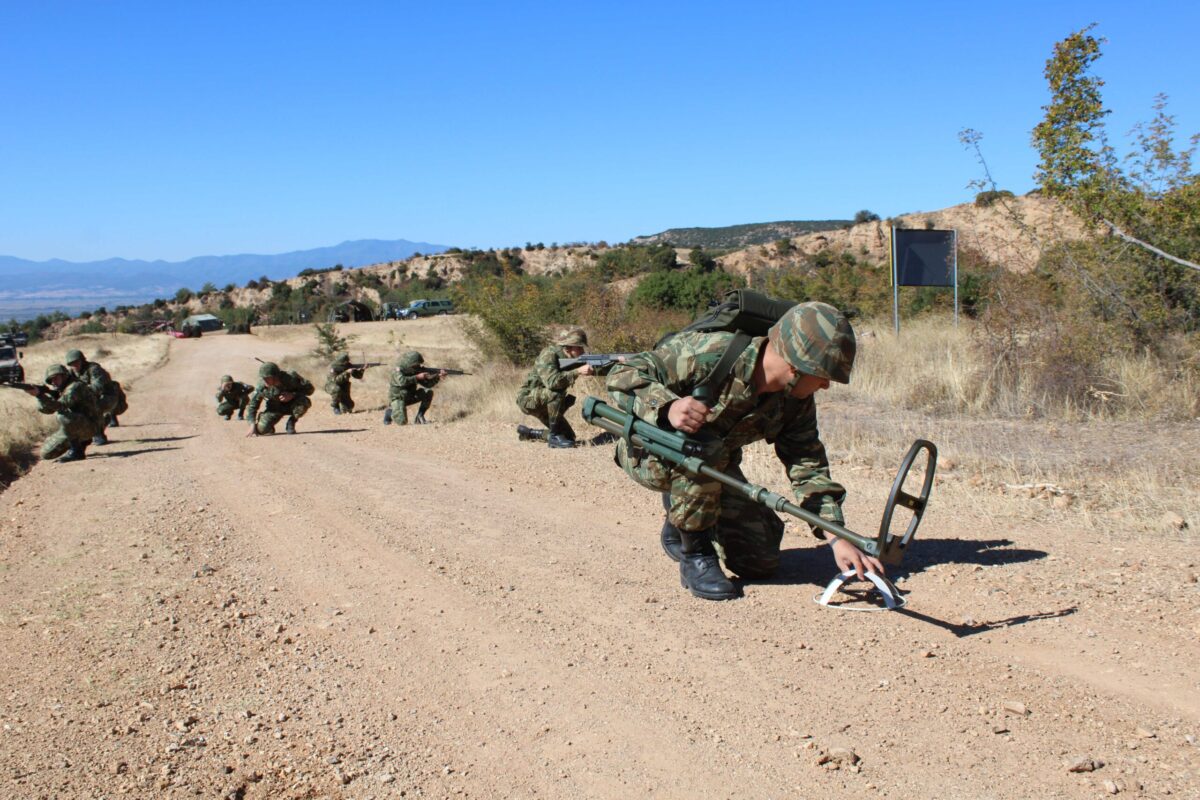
{"type": "Point", "coordinates": [690, 454]}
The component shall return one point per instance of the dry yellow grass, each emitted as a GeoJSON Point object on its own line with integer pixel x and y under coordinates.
{"type": "Point", "coordinates": [126, 357]}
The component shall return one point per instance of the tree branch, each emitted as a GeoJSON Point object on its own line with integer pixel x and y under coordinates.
{"type": "Point", "coordinates": [1120, 234]}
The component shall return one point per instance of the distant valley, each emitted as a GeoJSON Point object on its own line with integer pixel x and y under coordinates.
{"type": "Point", "coordinates": [29, 288]}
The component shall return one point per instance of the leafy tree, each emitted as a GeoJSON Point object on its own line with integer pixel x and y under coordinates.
{"type": "Point", "coordinates": [865, 216]}
{"type": "Point", "coordinates": [183, 295]}
{"type": "Point", "coordinates": [329, 341]}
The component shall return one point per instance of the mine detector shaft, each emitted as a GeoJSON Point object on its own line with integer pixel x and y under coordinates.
{"type": "Point", "coordinates": [692, 454]}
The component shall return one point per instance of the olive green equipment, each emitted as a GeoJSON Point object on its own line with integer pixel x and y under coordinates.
{"type": "Point", "coordinates": [693, 453]}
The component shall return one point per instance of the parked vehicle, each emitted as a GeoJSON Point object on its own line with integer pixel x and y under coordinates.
{"type": "Point", "coordinates": [426, 308]}
{"type": "Point", "coordinates": [11, 370]}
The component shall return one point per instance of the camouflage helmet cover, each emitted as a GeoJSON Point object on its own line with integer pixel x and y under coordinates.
{"type": "Point", "coordinates": [572, 337]}
{"type": "Point", "coordinates": [74, 355]}
{"type": "Point", "coordinates": [54, 370]}
{"type": "Point", "coordinates": [268, 369]}
{"type": "Point", "coordinates": [226, 379]}
{"type": "Point", "coordinates": [816, 339]}
{"type": "Point", "coordinates": [342, 358]}
{"type": "Point", "coordinates": [410, 360]}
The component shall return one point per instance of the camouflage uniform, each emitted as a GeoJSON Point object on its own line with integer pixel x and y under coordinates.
{"type": "Point", "coordinates": [544, 393]}
{"type": "Point", "coordinates": [745, 534]}
{"type": "Point", "coordinates": [234, 398]}
{"type": "Point", "coordinates": [405, 388]}
{"type": "Point", "coordinates": [337, 384]}
{"type": "Point", "coordinates": [78, 412]}
{"type": "Point", "coordinates": [108, 392]}
{"type": "Point", "coordinates": [272, 408]}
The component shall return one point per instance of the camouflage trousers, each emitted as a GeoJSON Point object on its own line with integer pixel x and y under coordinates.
{"type": "Point", "coordinates": [341, 400]}
{"type": "Point", "coordinates": [549, 408]}
{"type": "Point", "coordinates": [122, 405]}
{"type": "Point", "coordinates": [746, 535]}
{"type": "Point", "coordinates": [226, 408]}
{"type": "Point", "coordinates": [399, 405]}
{"type": "Point", "coordinates": [72, 429]}
{"type": "Point", "coordinates": [266, 421]}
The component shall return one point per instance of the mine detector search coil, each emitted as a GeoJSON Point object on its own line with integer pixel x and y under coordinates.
{"type": "Point", "coordinates": [691, 454]}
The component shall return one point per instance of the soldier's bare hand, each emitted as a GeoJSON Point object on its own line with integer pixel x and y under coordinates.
{"type": "Point", "coordinates": [253, 431]}
{"type": "Point", "coordinates": [32, 391]}
{"type": "Point", "coordinates": [442, 373]}
{"type": "Point", "coordinates": [687, 414]}
{"type": "Point", "coordinates": [848, 557]}
{"type": "Point", "coordinates": [286, 397]}
{"type": "Point", "coordinates": [586, 369]}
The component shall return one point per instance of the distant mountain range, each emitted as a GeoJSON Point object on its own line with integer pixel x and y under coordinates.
{"type": "Point", "coordinates": [735, 236]}
{"type": "Point", "coordinates": [29, 288]}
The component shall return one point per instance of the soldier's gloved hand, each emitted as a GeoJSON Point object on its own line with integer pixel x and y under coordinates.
{"type": "Point", "coordinates": [848, 557]}
{"type": "Point", "coordinates": [687, 414]}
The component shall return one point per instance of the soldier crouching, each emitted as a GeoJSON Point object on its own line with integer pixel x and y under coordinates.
{"type": "Point", "coordinates": [410, 384]}
{"type": "Point", "coordinates": [233, 396]}
{"type": "Point", "coordinates": [77, 410]}
{"type": "Point", "coordinates": [278, 395]}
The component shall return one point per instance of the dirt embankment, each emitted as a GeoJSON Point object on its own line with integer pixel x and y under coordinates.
{"type": "Point", "coordinates": [360, 611]}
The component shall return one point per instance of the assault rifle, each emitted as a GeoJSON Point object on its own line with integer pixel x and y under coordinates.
{"type": "Point", "coordinates": [424, 368]}
{"type": "Point", "coordinates": [692, 454]}
{"type": "Point", "coordinates": [366, 365]}
{"type": "Point", "coordinates": [595, 361]}
{"type": "Point", "coordinates": [41, 390]}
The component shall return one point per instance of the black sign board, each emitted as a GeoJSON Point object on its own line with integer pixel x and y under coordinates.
{"type": "Point", "coordinates": [923, 258]}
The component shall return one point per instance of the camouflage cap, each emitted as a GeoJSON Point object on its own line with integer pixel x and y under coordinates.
{"type": "Point", "coordinates": [56, 369]}
{"type": "Point", "coordinates": [226, 379]}
{"type": "Point", "coordinates": [74, 355]}
{"type": "Point", "coordinates": [268, 369]}
{"type": "Point", "coordinates": [572, 337]}
{"type": "Point", "coordinates": [410, 360]}
{"type": "Point", "coordinates": [816, 339]}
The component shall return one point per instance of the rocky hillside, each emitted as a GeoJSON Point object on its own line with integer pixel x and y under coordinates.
{"type": "Point", "coordinates": [737, 236]}
{"type": "Point", "coordinates": [1009, 234]}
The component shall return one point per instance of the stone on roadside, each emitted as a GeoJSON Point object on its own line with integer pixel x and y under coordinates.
{"type": "Point", "coordinates": [1013, 707]}
{"type": "Point", "coordinates": [1083, 764]}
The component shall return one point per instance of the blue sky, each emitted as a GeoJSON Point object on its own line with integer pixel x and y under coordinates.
{"type": "Point", "coordinates": [170, 129]}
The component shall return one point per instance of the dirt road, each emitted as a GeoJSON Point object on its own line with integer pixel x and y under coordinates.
{"type": "Point", "coordinates": [359, 611]}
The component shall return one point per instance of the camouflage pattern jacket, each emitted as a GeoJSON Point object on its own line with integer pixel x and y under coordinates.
{"type": "Point", "coordinates": [75, 398]}
{"type": "Point", "coordinates": [98, 378]}
{"type": "Point", "coordinates": [338, 380]}
{"type": "Point", "coordinates": [267, 397]}
{"type": "Point", "coordinates": [234, 394]}
{"type": "Point", "coordinates": [546, 374]}
{"type": "Point", "coordinates": [650, 382]}
{"type": "Point", "coordinates": [403, 383]}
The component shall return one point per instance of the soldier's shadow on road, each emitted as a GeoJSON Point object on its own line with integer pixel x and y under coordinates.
{"type": "Point", "coordinates": [330, 430]}
{"type": "Point", "coordinates": [162, 439]}
{"type": "Point", "coordinates": [814, 566]}
{"type": "Point", "coordinates": [128, 453]}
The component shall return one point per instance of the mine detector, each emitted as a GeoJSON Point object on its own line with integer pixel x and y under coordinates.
{"type": "Point", "coordinates": [692, 454]}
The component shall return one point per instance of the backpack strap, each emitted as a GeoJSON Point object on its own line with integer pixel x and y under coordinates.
{"type": "Point", "coordinates": [706, 390]}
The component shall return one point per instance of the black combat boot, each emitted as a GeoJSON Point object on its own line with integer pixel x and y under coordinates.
{"type": "Point", "coordinates": [229, 416]}
{"type": "Point", "coordinates": [419, 419]}
{"type": "Point", "coordinates": [527, 434]}
{"type": "Point", "coordinates": [387, 416]}
{"type": "Point", "coordinates": [337, 410]}
{"type": "Point", "coordinates": [669, 536]}
{"type": "Point", "coordinates": [290, 427]}
{"type": "Point", "coordinates": [241, 415]}
{"type": "Point", "coordinates": [700, 569]}
{"type": "Point", "coordinates": [113, 422]}
{"type": "Point", "coordinates": [557, 440]}
{"type": "Point", "coordinates": [76, 453]}
{"type": "Point", "coordinates": [100, 438]}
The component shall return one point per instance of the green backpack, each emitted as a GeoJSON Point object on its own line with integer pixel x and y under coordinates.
{"type": "Point", "coordinates": [743, 312]}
